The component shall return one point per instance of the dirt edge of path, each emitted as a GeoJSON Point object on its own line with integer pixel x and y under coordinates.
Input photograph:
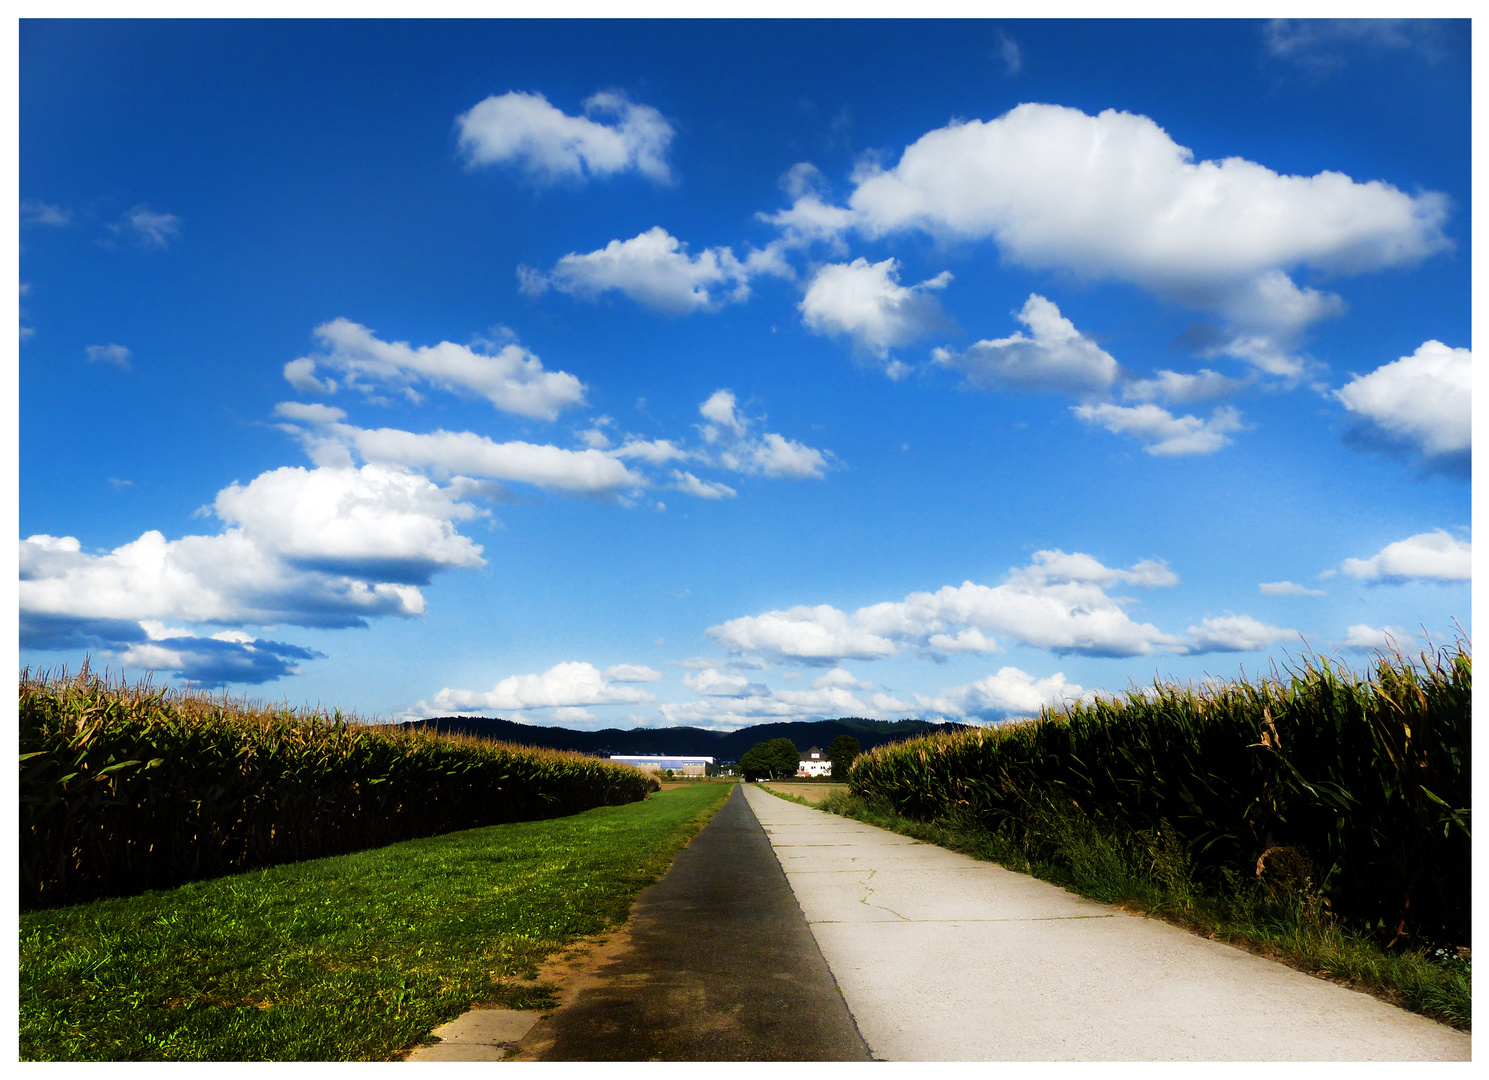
{"type": "Point", "coordinates": [571, 969]}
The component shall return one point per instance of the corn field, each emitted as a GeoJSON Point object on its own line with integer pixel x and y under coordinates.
{"type": "Point", "coordinates": [1365, 779]}
{"type": "Point", "coordinates": [126, 788]}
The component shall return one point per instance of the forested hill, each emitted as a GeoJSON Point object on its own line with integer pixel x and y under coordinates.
{"type": "Point", "coordinates": [723, 745]}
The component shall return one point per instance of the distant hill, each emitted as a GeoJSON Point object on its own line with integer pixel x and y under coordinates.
{"type": "Point", "coordinates": [723, 745]}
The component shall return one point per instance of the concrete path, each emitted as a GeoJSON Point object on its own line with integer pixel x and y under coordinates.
{"type": "Point", "coordinates": [479, 1035]}
{"type": "Point", "coordinates": [720, 967]}
{"type": "Point", "coordinates": [944, 958]}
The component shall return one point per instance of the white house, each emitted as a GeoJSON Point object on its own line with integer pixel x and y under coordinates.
{"type": "Point", "coordinates": [814, 763]}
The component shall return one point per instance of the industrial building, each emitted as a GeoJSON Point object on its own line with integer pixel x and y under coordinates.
{"type": "Point", "coordinates": [685, 766]}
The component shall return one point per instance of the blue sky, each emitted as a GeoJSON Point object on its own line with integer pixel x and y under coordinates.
{"type": "Point", "coordinates": [647, 373]}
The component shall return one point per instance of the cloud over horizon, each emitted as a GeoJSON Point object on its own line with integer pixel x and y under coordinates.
{"type": "Point", "coordinates": [321, 547]}
{"type": "Point", "coordinates": [571, 684]}
{"type": "Point", "coordinates": [1058, 602]}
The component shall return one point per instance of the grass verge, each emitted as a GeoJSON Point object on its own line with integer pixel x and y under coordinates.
{"type": "Point", "coordinates": [1149, 873]}
{"type": "Point", "coordinates": [354, 957]}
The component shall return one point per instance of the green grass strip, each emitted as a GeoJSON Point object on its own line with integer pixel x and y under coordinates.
{"type": "Point", "coordinates": [349, 958]}
{"type": "Point", "coordinates": [1149, 873]}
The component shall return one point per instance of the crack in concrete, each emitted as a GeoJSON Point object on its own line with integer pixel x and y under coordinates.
{"type": "Point", "coordinates": [870, 892]}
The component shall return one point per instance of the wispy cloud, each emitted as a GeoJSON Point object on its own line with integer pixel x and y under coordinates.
{"type": "Point", "coordinates": [36, 212]}
{"type": "Point", "coordinates": [117, 355]}
{"type": "Point", "coordinates": [1324, 45]}
{"type": "Point", "coordinates": [152, 230]}
{"type": "Point", "coordinates": [1162, 433]}
{"type": "Point", "coordinates": [1010, 54]}
{"type": "Point", "coordinates": [1287, 588]}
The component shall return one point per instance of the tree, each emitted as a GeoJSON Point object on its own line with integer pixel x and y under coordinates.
{"type": "Point", "coordinates": [770, 759]}
{"type": "Point", "coordinates": [841, 753]}
{"type": "Point", "coordinates": [785, 757]}
{"type": "Point", "coordinates": [752, 763]}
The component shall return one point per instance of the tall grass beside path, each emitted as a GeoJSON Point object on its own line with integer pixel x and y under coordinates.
{"type": "Point", "coordinates": [124, 788]}
{"type": "Point", "coordinates": [355, 957]}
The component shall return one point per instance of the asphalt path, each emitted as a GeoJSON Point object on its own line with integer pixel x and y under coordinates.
{"type": "Point", "coordinates": [721, 966]}
{"type": "Point", "coordinates": [941, 957]}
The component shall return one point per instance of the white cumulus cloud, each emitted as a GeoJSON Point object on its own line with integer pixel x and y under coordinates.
{"type": "Point", "coordinates": [319, 547]}
{"type": "Point", "coordinates": [810, 220]}
{"type": "Point", "coordinates": [731, 443]}
{"type": "Point", "coordinates": [1431, 556]}
{"type": "Point", "coordinates": [511, 378]}
{"type": "Point", "coordinates": [866, 302]}
{"type": "Point", "coordinates": [1423, 399]}
{"type": "Point", "coordinates": [383, 522]}
{"type": "Point", "coordinates": [1056, 357]}
{"type": "Point", "coordinates": [1113, 196]}
{"type": "Point", "coordinates": [655, 270]}
{"type": "Point", "coordinates": [527, 131]}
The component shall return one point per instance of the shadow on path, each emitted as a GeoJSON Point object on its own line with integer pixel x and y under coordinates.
{"type": "Point", "coordinates": [721, 967]}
